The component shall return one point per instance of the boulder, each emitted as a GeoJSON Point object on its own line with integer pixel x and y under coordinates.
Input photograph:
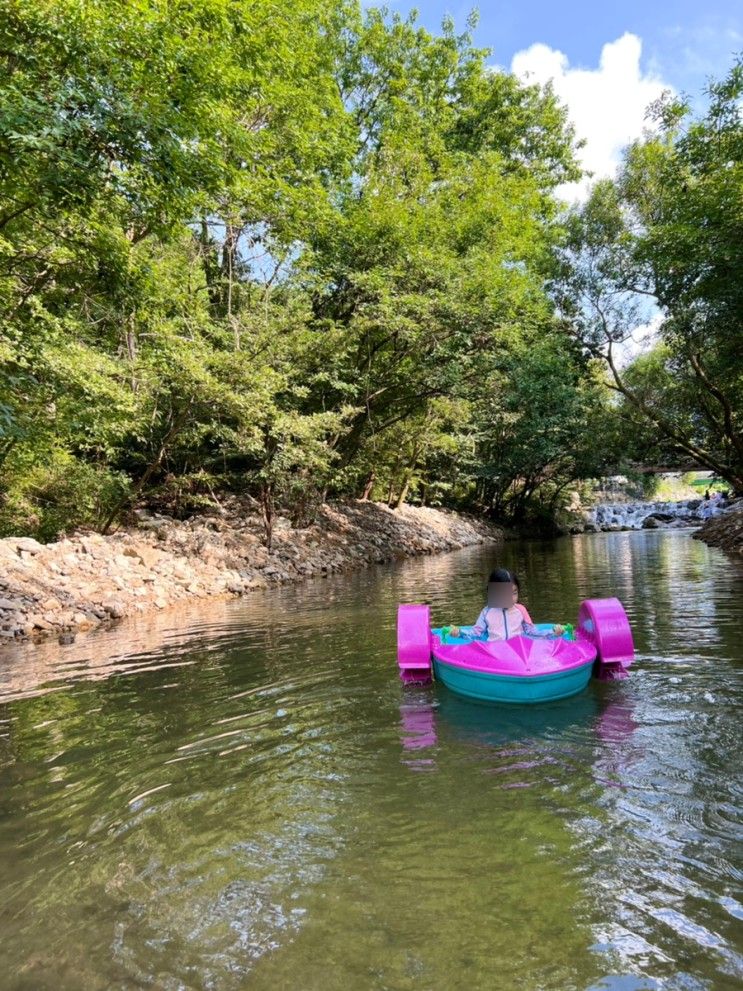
{"type": "Point", "coordinates": [181, 570]}
{"type": "Point", "coordinates": [150, 557]}
{"type": "Point", "coordinates": [39, 623]}
{"type": "Point", "coordinates": [27, 544]}
{"type": "Point", "coordinates": [93, 544]}
{"type": "Point", "coordinates": [655, 520]}
{"type": "Point", "coordinates": [114, 608]}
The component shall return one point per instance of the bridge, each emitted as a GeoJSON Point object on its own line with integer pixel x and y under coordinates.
{"type": "Point", "coordinates": [674, 469]}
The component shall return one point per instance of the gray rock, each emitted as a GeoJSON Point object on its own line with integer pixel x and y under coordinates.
{"type": "Point", "coordinates": [148, 556]}
{"type": "Point", "coordinates": [114, 608]}
{"type": "Point", "coordinates": [27, 544]}
{"type": "Point", "coordinates": [651, 523]}
{"type": "Point", "coordinates": [39, 622]}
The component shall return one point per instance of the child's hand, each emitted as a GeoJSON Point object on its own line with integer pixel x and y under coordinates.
{"type": "Point", "coordinates": [454, 631]}
{"type": "Point", "coordinates": [558, 629]}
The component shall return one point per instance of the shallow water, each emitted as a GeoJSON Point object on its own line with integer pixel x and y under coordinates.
{"type": "Point", "coordinates": [225, 799]}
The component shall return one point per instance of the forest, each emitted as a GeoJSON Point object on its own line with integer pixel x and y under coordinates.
{"type": "Point", "coordinates": [312, 251]}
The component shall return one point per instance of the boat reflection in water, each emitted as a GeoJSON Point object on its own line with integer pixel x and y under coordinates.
{"type": "Point", "coordinates": [418, 727]}
{"type": "Point", "coordinates": [590, 728]}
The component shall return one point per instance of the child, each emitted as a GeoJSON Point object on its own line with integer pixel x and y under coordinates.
{"type": "Point", "coordinates": [502, 618]}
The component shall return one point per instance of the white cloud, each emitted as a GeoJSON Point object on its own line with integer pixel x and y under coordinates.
{"type": "Point", "coordinates": [641, 340]}
{"type": "Point", "coordinates": [607, 105]}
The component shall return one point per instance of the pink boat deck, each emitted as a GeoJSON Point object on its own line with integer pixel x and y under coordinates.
{"type": "Point", "coordinates": [517, 657]}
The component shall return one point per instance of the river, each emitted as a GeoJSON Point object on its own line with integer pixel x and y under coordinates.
{"type": "Point", "coordinates": [243, 795]}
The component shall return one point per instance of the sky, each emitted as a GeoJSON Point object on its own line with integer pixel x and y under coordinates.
{"type": "Point", "coordinates": [607, 61]}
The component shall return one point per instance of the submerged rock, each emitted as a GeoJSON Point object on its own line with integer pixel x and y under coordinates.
{"type": "Point", "coordinates": [668, 521]}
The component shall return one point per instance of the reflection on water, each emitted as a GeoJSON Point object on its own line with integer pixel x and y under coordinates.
{"type": "Point", "coordinates": [244, 795]}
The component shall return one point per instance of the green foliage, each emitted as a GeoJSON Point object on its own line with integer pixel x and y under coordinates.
{"type": "Point", "coordinates": [537, 427]}
{"type": "Point", "coordinates": [290, 250]}
{"type": "Point", "coordinates": [48, 497]}
{"type": "Point", "coordinates": [671, 230]}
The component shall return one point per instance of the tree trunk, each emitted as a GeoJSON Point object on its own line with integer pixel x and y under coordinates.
{"type": "Point", "coordinates": [368, 487]}
{"type": "Point", "coordinates": [152, 467]}
{"type": "Point", "coordinates": [267, 512]}
{"type": "Point", "coordinates": [404, 490]}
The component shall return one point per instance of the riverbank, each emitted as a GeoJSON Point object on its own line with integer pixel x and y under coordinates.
{"type": "Point", "coordinates": [725, 531]}
{"type": "Point", "coordinates": [86, 580]}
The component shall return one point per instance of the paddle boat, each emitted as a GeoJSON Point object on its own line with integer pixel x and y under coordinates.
{"type": "Point", "coordinates": [521, 669]}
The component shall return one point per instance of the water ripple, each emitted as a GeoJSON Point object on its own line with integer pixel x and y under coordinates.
{"type": "Point", "coordinates": [224, 798]}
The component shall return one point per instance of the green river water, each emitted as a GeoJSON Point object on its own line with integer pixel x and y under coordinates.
{"type": "Point", "coordinates": [243, 795]}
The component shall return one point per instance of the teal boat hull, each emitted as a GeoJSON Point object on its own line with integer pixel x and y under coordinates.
{"type": "Point", "coordinates": [518, 690]}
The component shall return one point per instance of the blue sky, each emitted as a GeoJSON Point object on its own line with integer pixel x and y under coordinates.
{"type": "Point", "coordinates": [607, 62]}
{"type": "Point", "coordinates": [683, 41]}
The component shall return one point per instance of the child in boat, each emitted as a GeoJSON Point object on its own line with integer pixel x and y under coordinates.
{"type": "Point", "coordinates": [503, 617]}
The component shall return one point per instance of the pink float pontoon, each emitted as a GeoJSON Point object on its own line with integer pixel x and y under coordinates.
{"type": "Point", "coordinates": [520, 669]}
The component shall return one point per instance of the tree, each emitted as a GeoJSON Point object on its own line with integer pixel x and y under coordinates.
{"type": "Point", "coordinates": [670, 230]}
{"type": "Point", "coordinates": [125, 130]}
{"type": "Point", "coordinates": [535, 427]}
{"type": "Point", "coordinates": [444, 231]}
{"type": "Point", "coordinates": [283, 251]}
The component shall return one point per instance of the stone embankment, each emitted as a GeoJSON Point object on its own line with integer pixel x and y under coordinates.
{"type": "Point", "coordinates": [84, 580]}
{"type": "Point", "coordinates": [652, 515]}
{"type": "Point", "coordinates": [725, 532]}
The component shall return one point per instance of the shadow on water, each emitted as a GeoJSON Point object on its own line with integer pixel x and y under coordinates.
{"type": "Point", "coordinates": [243, 795]}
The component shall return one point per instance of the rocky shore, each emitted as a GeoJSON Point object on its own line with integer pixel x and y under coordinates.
{"type": "Point", "coordinates": [725, 532]}
{"type": "Point", "coordinates": [85, 580]}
